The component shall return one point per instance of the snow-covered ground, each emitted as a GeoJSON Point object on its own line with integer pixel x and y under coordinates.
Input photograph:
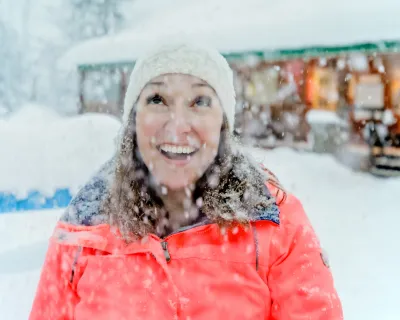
{"type": "Point", "coordinates": [355, 215]}
{"type": "Point", "coordinates": [23, 244]}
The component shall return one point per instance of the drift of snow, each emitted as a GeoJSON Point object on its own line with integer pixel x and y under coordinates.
{"type": "Point", "coordinates": [33, 114]}
{"type": "Point", "coordinates": [388, 118]}
{"type": "Point", "coordinates": [42, 151]}
{"type": "Point", "coordinates": [324, 117]}
{"type": "Point", "coordinates": [23, 245]}
{"type": "Point", "coordinates": [358, 62]}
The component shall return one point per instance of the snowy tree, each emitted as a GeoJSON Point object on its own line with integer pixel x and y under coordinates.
{"type": "Point", "coordinates": [93, 18]}
{"type": "Point", "coordinates": [11, 72]}
{"type": "Point", "coordinates": [87, 19]}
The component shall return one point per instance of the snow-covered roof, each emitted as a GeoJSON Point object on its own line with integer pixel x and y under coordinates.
{"type": "Point", "coordinates": [257, 25]}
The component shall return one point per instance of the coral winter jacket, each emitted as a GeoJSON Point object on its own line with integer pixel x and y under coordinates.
{"type": "Point", "coordinates": [268, 270]}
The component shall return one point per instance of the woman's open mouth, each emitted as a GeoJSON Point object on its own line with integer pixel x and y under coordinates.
{"type": "Point", "coordinates": [174, 152]}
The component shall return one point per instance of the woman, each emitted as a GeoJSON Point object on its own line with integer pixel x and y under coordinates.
{"type": "Point", "coordinates": [181, 224]}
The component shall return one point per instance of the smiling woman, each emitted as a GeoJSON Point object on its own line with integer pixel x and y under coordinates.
{"type": "Point", "coordinates": [181, 218]}
{"type": "Point", "coordinates": [178, 125]}
{"type": "Point", "coordinates": [179, 120]}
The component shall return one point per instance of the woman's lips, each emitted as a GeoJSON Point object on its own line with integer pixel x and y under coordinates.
{"type": "Point", "coordinates": [177, 154]}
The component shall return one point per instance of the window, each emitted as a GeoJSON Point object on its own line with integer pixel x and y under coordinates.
{"type": "Point", "coordinates": [369, 92]}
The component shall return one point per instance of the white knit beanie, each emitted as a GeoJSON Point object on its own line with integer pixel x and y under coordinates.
{"type": "Point", "coordinates": [184, 58]}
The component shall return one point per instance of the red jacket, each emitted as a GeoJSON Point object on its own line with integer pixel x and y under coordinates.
{"type": "Point", "coordinates": [269, 270]}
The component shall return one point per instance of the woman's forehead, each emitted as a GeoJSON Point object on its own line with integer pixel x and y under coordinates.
{"type": "Point", "coordinates": [177, 78]}
{"type": "Point", "coordinates": [178, 83]}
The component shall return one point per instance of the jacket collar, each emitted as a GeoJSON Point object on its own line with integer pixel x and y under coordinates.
{"type": "Point", "coordinates": [84, 208]}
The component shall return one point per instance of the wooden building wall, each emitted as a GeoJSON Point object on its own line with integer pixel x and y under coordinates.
{"type": "Point", "coordinates": [317, 83]}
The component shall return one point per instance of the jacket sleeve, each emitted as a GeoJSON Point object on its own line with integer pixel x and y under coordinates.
{"type": "Point", "coordinates": [299, 277]}
{"type": "Point", "coordinates": [56, 297]}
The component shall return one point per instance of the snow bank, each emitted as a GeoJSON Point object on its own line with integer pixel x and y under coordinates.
{"type": "Point", "coordinates": [42, 151]}
{"type": "Point", "coordinates": [33, 113]}
{"type": "Point", "coordinates": [324, 117]}
{"type": "Point", "coordinates": [23, 244]}
{"type": "Point", "coordinates": [232, 26]}
{"type": "Point", "coordinates": [388, 118]}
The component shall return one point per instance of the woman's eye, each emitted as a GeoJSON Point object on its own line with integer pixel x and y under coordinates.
{"type": "Point", "coordinates": [155, 99]}
{"type": "Point", "coordinates": [202, 101]}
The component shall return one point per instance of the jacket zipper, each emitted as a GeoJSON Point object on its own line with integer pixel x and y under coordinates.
{"type": "Point", "coordinates": [164, 246]}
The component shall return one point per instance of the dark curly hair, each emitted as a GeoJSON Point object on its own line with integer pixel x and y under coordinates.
{"type": "Point", "coordinates": [227, 192]}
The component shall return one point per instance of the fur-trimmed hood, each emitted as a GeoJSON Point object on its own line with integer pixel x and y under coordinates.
{"type": "Point", "coordinates": [241, 196]}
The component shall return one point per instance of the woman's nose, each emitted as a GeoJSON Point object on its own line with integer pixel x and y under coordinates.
{"type": "Point", "coordinates": [179, 121]}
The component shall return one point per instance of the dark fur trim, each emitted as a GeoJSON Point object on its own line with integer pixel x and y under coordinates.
{"type": "Point", "coordinates": [231, 190]}
{"type": "Point", "coordinates": [87, 207]}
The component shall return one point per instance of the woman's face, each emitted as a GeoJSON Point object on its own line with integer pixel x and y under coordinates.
{"type": "Point", "coordinates": [178, 125]}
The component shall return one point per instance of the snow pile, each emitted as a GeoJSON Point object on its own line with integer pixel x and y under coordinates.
{"type": "Point", "coordinates": [23, 244]}
{"type": "Point", "coordinates": [42, 151]}
{"type": "Point", "coordinates": [33, 114]}
{"type": "Point", "coordinates": [324, 117]}
{"type": "Point", "coordinates": [388, 118]}
{"type": "Point", "coordinates": [359, 62]}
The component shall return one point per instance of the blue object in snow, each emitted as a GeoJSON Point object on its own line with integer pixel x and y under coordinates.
{"type": "Point", "coordinates": [34, 201]}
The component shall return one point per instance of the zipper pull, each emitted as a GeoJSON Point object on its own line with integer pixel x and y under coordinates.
{"type": "Point", "coordinates": [164, 245]}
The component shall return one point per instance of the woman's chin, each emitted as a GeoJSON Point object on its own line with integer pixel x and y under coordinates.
{"type": "Point", "coordinates": [175, 182]}
{"type": "Point", "coordinates": [175, 185]}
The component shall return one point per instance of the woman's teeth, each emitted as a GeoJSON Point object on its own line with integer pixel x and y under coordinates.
{"type": "Point", "coordinates": [177, 149]}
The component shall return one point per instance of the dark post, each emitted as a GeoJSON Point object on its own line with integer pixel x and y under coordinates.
{"type": "Point", "coordinates": [82, 76]}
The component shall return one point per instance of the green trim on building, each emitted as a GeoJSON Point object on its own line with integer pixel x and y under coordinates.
{"type": "Point", "coordinates": [109, 65]}
{"type": "Point", "coordinates": [284, 54]}
{"type": "Point", "coordinates": [381, 47]}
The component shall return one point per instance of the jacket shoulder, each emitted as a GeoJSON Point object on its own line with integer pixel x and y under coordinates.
{"type": "Point", "coordinates": [84, 208]}
{"type": "Point", "coordinates": [294, 225]}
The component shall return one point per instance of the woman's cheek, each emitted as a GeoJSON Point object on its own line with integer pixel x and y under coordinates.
{"type": "Point", "coordinates": [147, 124]}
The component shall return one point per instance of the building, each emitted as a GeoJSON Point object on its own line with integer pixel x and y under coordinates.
{"type": "Point", "coordinates": [336, 58]}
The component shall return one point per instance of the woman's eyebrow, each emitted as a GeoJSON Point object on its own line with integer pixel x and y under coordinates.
{"type": "Point", "coordinates": [155, 83]}
{"type": "Point", "coordinates": [201, 85]}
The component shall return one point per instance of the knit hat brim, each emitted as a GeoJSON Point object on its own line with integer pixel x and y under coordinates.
{"type": "Point", "coordinates": [183, 58]}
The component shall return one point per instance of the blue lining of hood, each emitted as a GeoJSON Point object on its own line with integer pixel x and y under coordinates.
{"type": "Point", "coordinates": [271, 213]}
